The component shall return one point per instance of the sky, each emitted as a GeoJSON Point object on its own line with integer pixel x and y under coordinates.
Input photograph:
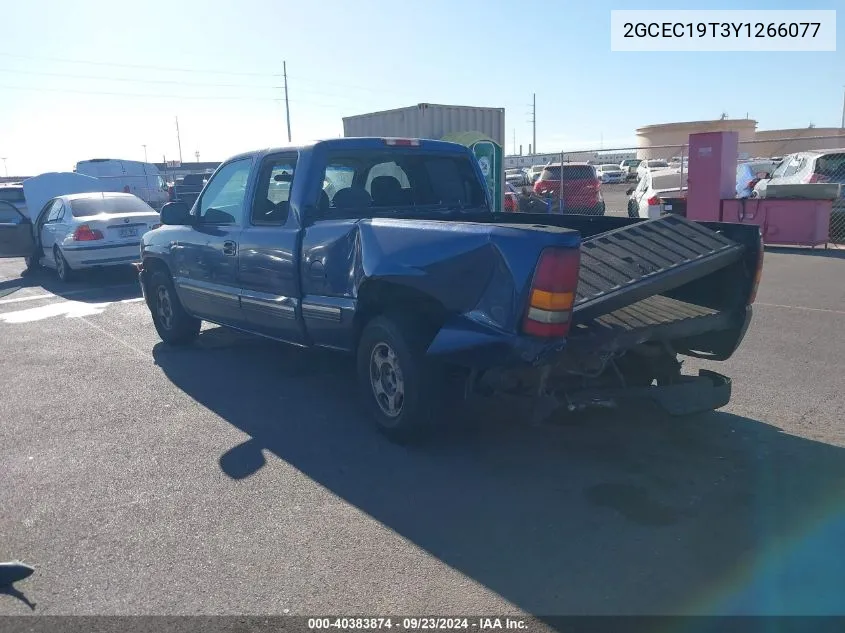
{"type": "Point", "coordinates": [96, 79]}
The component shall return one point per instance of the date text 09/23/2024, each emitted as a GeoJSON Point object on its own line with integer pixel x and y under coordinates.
{"type": "Point", "coordinates": [415, 623]}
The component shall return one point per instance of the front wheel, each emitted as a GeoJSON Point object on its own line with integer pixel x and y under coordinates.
{"type": "Point", "coordinates": [173, 324]}
{"type": "Point", "coordinates": [633, 212]}
{"type": "Point", "coordinates": [399, 385]}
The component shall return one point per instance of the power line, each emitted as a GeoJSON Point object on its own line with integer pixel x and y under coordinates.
{"type": "Point", "coordinates": [134, 80]}
{"type": "Point", "coordinates": [115, 64]}
{"type": "Point", "coordinates": [136, 94]}
{"type": "Point", "coordinates": [171, 96]}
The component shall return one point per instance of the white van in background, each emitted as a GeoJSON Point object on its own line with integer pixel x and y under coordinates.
{"type": "Point", "coordinates": [129, 176]}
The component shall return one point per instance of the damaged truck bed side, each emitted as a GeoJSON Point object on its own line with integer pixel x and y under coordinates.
{"type": "Point", "coordinates": [389, 249]}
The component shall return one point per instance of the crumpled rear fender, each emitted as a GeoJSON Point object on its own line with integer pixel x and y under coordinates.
{"type": "Point", "coordinates": [472, 341]}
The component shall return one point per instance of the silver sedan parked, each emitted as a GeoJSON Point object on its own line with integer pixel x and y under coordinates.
{"type": "Point", "coordinates": [79, 231]}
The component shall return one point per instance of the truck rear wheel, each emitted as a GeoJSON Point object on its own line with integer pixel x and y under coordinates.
{"type": "Point", "coordinates": [400, 387]}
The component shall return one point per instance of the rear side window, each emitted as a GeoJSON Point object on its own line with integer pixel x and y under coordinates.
{"type": "Point", "coordinates": [400, 179]}
{"type": "Point", "coordinates": [84, 207]}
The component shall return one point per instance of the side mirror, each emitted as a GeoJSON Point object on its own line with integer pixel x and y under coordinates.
{"type": "Point", "coordinates": [629, 191]}
{"type": "Point", "coordinates": [176, 213]}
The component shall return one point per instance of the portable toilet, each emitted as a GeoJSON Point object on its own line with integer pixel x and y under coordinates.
{"type": "Point", "coordinates": [490, 157]}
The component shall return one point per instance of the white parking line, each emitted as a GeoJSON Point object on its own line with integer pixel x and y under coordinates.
{"type": "Point", "coordinates": [779, 305]}
{"type": "Point", "coordinates": [69, 293]}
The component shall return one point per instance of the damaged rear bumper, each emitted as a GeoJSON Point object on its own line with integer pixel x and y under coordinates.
{"type": "Point", "coordinates": [707, 391]}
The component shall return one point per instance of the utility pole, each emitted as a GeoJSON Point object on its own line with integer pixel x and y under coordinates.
{"type": "Point", "coordinates": [145, 151]}
{"type": "Point", "coordinates": [178, 139]}
{"type": "Point", "coordinates": [534, 122]}
{"type": "Point", "coordinates": [843, 113]}
{"type": "Point", "coordinates": [287, 105]}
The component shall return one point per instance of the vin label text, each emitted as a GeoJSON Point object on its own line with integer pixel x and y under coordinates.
{"type": "Point", "coordinates": [723, 30]}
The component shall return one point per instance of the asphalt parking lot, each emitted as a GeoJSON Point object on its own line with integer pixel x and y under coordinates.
{"type": "Point", "coordinates": [615, 198]}
{"type": "Point", "coordinates": [238, 476]}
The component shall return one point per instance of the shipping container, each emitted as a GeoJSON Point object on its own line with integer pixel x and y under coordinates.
{"type": "Point", "coordinates": [429, 120]}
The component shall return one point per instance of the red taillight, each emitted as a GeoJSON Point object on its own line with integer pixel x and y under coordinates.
{"type": "Point", "coordinates": [817, 178]}
{"type": "Point", "coordinates": [758, 273]}
{"type": "Point", "coordinates": [654, 201]}
{"type": "Point", "coordinates": [85, 233]}
{"type": "Point", "coordinates": [552, 293]}
{"type": "Point", "coordinates": [403, 142]}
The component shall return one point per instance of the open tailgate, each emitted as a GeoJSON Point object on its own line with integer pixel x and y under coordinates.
{"type": "Point", "coordinates": [632, 263]}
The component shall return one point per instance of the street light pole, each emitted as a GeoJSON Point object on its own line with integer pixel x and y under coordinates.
{"type": "Point", "coordinates": [145, 151]}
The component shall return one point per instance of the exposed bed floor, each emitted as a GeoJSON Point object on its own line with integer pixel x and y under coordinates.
{"type": "Point", "coordinates": [655, 317]}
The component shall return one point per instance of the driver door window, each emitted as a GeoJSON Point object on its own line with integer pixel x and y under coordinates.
{"type": "Point", "coordinates": [272, 199]}
{"type": "Point", "coordinates": [223, 200]}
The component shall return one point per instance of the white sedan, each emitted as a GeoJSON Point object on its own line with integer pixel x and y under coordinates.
{"type": "Point", "coordinates": [646, 199]}
{"type": "Point", "coordinates": [83, 230]}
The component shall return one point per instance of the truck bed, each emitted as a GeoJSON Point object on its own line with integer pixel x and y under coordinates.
{"type": "Point", "coordinates": [629, 264]}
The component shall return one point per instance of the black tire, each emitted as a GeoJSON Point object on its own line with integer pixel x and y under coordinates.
{"type": "Point", "coordinates": [63, 270]}
{"type": "Point", "coordinates": [599, 209]}
{"type": "Point", "coordinates": [173, 324]}
{"type": "Point", "coordinates": [632, 210]}
{"type": "Point", "coordinates": [32, 263]}
{"type": "Point", "coordinates": [395, 348]}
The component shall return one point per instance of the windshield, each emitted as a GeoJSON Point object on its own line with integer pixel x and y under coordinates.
{"type": "Point", "coordinates": [570, 172]}
{"type": "Point", "coordinates": [657, 163]}
{"type": "Point", "coordinates": [84, 207]}
{"type": "Point", "coordinates": [668, 181]}
{"type": "Point", "coordinates": [832, 166]}
{"type": "Point", "coordinates": [609, 167]}
{"type": "Point", "coordinates": [631, 163]}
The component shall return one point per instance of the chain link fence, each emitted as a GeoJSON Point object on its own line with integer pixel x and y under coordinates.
{"type": "Point", "coordinates": [792, 167]}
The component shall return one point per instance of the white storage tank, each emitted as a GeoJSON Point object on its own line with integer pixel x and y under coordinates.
{"type": "Point", "coordinates": [428, 120]}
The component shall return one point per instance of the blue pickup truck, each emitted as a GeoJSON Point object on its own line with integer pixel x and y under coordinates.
{"type": "Point", "coordinates": [390, 250]}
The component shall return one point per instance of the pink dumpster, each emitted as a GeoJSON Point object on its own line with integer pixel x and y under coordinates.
{"type": "Point", "coordinates": [799, 222]}
{"type": "Point", "coordinates": [712, 189]}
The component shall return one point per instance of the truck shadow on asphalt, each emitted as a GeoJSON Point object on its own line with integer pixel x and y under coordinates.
{"type": "Point", "coordinates": [608, 514]}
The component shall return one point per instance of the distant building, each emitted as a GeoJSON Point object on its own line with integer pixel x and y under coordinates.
{"type": "Point", "coordinates": [666, 140]}
{"type": "Point", "coordinates": [596, 157]}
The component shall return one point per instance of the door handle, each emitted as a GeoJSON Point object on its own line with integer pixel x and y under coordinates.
{"type": "Point", "coordinates": [229, 247]}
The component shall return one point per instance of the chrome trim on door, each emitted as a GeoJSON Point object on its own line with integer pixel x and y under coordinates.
{"type": "Point", "coordinates": [324, 312]}
{"type": "Point", "coordinates": [205, 289]}
{"type": "Point", "coordinates": [277, 305]}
